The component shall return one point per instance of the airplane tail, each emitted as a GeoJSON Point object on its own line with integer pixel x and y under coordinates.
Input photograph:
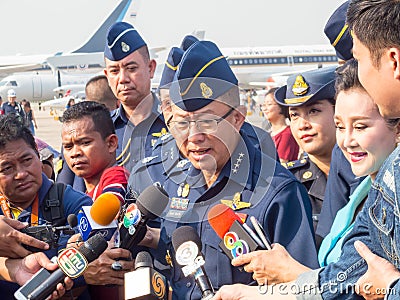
{"type": "Point", "coordinates": [97, 41]}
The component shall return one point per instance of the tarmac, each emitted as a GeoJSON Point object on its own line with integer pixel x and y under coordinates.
{"type": "Point", "coordinates": [49, 126]}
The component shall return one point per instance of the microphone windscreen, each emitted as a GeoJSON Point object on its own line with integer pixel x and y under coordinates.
{"type": "Point", "coordinates": [93, 247]}
{"type": "Point", "coordinates": [105, 209]}
{"type": "Point", "coordinates": [183, 234]}
{"type": "Point", "coordinates": [152, 201]}
{"type": "Point", "coordinates": [143, 260]}
{"type": "Point", "coordinates": [72, 220]}
{"type": "Point", "coordinates": [221, 218]}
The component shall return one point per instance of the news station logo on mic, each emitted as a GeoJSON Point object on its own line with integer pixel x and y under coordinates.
{"type": "Point", "coordinates": [132, 217]}
{"type": "Point", "coordinates": [72, 262]}
{"type": "Point", "coordinates": [237, 246]}
{"type": "Point", "coordinates": [158, 285]}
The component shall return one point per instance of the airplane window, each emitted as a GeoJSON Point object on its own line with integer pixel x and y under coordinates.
{"type": "Point", "coordinates": [275, 60]}
{"type": "Point", "coordinates": [240, 62]}
{"type": "Point", "coordinates": [13, 83]}
{"type": "Point", "coordinates": [3, 83]}
{"type": "Point", "coordinates": [250, 61]}
{"type": "Point", "coordinates": [245, 61]}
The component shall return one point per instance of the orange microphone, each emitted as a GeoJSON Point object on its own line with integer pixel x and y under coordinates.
{"type": "Point", "coordinates": [99, 217]}
{"type": "Point", "coordinates": [105, 208]}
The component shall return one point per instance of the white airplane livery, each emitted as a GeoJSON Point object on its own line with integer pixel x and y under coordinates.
{"type": "Point", "coordinates": [47, 70]}
{"type": "Point", "coordinates": [262, 66]}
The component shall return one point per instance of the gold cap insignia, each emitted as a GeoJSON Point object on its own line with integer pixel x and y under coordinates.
{"type": "Point", "coordinates": [300, 87]}
{"type": "Point", "coordinates": [307, 175]}
{"type": "Point", "coordinates": [206, 91]}
{"type": "Point", "coordinates": [125, 47]}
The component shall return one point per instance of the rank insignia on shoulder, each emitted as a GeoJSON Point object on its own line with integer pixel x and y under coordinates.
{"type": "Point", "coordinates": [148, 159]}
{"type": "Point", "coordinates": [294, 164]}
{"type": "Point", "coordinates": [236, 202]}
{"type": "Point", "coordinates": [307, 175]}
{"type": "Point", "coordinates": [165, 136]}
{"type": "Point", "coordinates": [161, 133]}
{"type": "Point", "coordinates": [182, 163]}
{"type": "Point", "coordinates": [59, 166]}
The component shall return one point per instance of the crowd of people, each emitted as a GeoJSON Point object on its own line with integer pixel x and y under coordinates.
{"type": "Point", "coordinates": [321, 183]}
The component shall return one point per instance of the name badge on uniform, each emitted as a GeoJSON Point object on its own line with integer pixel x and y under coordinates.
{"type": "Point", "coordinates": [236, 202]}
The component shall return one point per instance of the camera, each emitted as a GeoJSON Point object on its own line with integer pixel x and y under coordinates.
{"type": "Point", "coordinates": [49, 234]}
{"type": "Point", "coordinates": [43, 233]}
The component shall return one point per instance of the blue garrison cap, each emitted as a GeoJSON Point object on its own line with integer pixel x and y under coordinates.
{"type": "Point", "coordinates": [188, 41]}
{"type": "Point", "coordinates": [338, 33]}
{"type": "Point", "coordinates": [307, 87]}
{"type": "Point", "coordinates": [122, 40]}
{"type": "Point", "coordinates": [171, 65]}
{"type": "Point", "coordinates": [202, 76]}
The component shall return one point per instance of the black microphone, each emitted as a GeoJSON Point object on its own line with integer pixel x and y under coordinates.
{"type": "Point", "coordinates": [149, 205]}
{"type": "Point", "coordinates": [187, 246]}
{"type": "Point", "coordinates": [145, 283]}
{"type": "Point", "coordinates": [72, 263]}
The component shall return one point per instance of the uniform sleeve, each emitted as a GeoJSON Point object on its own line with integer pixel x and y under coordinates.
{"type": "Point", "coordinates": [288, 222]}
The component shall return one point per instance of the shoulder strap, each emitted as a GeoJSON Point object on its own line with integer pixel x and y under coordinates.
{"type": "Point", "coordinates": [53, 209]}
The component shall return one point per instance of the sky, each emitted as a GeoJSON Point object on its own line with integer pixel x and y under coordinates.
{"type": "Point", "coordinates": [50, 26]}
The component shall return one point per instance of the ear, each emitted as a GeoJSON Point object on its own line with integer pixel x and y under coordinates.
{"type": "Point", "coordinates": [152, 67]}
{"type": "Point", "coordinates": [112, 142]}
{"type": "Point", "coordinates": [239, 116]}
{"type": "Point", "coordinates": [394, 56]}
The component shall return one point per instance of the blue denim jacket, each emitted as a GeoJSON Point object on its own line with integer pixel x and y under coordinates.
{"type": "Point", "coordinates": [378, 226]}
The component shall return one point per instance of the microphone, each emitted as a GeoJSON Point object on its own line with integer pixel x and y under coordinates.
{"type": "Point", "coordinates": [237, 237]}
{"type": "Point", "coordinates": [149, 205]}
{"type": "Point", "coordinates": [99, 217]}
{"type": "Point", "coordinates": [146, 283]}
{"type": "Point", "coordinates": [72, 263]}
{"type": "Point", "coordinates": [187, 246]}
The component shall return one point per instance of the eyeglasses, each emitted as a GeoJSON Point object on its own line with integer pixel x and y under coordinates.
{"type": "Point", "coordinates": [203, 126]}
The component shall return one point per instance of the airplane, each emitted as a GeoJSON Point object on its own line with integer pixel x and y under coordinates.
{"type": "Point", "coordinates": [267, 67]}
{"type": "Point", "coordinates": [48, 71]}
{"type": "Point", "coordinates": [270, 66]}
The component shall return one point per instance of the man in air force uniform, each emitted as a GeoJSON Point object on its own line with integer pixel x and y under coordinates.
{"type": "Point", "coordinates": [225, 167]}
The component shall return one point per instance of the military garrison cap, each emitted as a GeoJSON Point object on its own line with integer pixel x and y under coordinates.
{"type": "Point", "coordinates": [122, 40]}
{"type": "Point", "coordinates": [202, 76]}
{"type": "Point", "coordinates": [307, 87]}
{"type": "Point", "coordinates": [338, 33]}
{"type": "Point", "coordinates": [188, 41]}
{"type": "Point", "coordinates": [170, 67]}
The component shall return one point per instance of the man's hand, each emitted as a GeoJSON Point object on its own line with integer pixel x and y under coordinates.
{"type": "Point", "coordinates": [21, 270]}
{"type": "Point", "coordinates": [271, 266]}
{"type": "Point", "coordinates": [11, 239]}
{"type": "Point", "coordinates": [380, 273]}
{"type": "Point", "coordinates": [99, 271]}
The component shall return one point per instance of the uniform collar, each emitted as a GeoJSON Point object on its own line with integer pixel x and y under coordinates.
{"type": "Point", "coordinates": [46, 185]}
{"type": "Point", "coordinates": [241, 164]}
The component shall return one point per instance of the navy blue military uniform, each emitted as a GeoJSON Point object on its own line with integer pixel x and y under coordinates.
{"type": "Point", "coordinates": [304, 89]}
{"type": "Point", "coordinates": [314, 180]}
{"type": "Point", "coordinates": [276, 198]}
{"type": "Point", "coordinates": [257, 183]}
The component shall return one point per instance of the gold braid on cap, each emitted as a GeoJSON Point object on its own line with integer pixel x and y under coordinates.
{"type": "Point", "coordinates": [201, 71]}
